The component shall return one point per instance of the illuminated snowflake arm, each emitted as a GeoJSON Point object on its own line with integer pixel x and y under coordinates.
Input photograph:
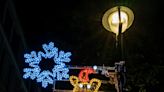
{"type": "Point", "coordinates": [50, 50]}
{"type": "Point", "coordinates": [62, 57]}
{"type": "Point", "coordinates": [31, 73]}
{"type": "Point", "coordinates": [65, 73]}
{"type": "Point", "coordinates": [60, 73]}
{"type": "Point", "coordinates": [31, 57]}
{"type": "Point", "coordinates": [46, 78]}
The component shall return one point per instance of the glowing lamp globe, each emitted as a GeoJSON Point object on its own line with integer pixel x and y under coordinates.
{"type": "Point", "coordinates": [111, 20]}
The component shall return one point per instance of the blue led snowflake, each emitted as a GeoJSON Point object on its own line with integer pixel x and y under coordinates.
{"type": "Point", "coordinates": [59, 71]}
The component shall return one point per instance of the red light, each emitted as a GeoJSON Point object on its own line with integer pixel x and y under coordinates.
{"type": "Point", "coordinates": [83, 75]}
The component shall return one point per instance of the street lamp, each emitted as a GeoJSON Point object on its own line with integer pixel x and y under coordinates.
{"type": "Point", "coordinates": [116, 15]}
{"type": "Point", "coordinates": [117, 20]}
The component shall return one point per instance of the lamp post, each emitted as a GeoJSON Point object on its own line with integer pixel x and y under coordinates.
{"type": "Point", "coordinates": [117, 20]}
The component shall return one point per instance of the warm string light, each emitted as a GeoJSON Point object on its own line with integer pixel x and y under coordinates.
{"type": "Point", "coordinates": [75, 82]}
{"type": "Point", "coordinates": [59, 71]}
{"type": "Point", "coordinates": [96, 83]}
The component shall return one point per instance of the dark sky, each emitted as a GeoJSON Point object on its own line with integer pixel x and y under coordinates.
{"type": "Point", "coordinates": [75, 26]}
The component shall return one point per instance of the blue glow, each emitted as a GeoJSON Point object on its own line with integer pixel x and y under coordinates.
{"type": "Point", "coordinates": [31, 72]}
{"type": "Point", "coordinates": [59, 72]}
{"type": "Point", "coordinates": [45, 77]}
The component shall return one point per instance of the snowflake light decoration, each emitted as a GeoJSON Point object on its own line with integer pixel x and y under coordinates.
{"type": "Point", "coordinates": [59, 71]}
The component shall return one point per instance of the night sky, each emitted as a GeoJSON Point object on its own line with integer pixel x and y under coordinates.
{"type": "Point", "coordinates": [76, 26]}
